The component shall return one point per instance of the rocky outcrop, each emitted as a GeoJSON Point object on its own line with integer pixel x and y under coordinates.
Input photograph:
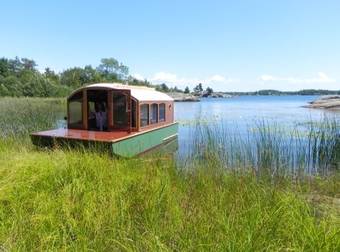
{"type": "Point", "coordinates": [326, 102]}
{"type": "Point", "coordinates": [220, 95]}
{"type": "Point", "coordinates": [181, 97]}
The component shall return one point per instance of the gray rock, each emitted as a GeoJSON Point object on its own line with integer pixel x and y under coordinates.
{"type": "Point", "coordinates": [181, 97]}
{"type": "Point", "coordinates": [326, 102]}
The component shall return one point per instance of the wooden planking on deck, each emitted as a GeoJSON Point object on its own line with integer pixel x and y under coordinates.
{"type": "Point", "coordinates": [100, 136]}
{"type": "Point", "coordinates": [86, 135]}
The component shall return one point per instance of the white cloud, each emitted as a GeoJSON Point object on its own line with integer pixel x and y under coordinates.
{"type": "Point", "coordinates": [174, 80]}
{"type": "Point", "coordinates": [217, 78]}
{"type": "Point", "coordinates": [321, 78]}
{"type": "Point", "coordinates": [266, 77]}
{"type": "Point", "coordinates": [165, 77]}
{"type": "Point", "coordinates": [222, 83]}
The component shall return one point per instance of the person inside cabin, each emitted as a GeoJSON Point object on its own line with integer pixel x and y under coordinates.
{"type": "Point", "coordinates": [100, 116]}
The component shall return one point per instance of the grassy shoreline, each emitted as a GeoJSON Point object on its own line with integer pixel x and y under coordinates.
{"type": "Point", "coordinates": [80, 200]}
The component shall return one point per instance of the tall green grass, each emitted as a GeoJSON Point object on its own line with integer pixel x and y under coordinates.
{"type": "Point", "coordinates": [52, 200]}
{"type": "Point", "coordinates": [21, 116]}
{"type": "Point", "coordinates": [75, 199]}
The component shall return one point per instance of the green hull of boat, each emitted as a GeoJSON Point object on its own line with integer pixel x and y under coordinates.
{"type": "Point", "coordinates": [144, 142]}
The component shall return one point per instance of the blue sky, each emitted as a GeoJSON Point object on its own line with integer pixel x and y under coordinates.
{"type": "Point", "coordinates": [228, 45]}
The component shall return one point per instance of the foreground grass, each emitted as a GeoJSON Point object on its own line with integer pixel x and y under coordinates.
{"type": "Point", "coordinates": [51, 200]}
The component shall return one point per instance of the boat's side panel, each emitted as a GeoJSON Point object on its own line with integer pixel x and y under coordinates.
{"type": "Point", "coordinates": [143, 142]}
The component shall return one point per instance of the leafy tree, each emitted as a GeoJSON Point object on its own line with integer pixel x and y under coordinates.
{"type": "Point", "coordinates": [163, 88]}
{"type": "Point", "coordinates": [209, 91]}
{"type": "Point", "coordinates": [13, 86]}
{"type": "Point", "coordinates": [176, 89]}
{"type": "Point", "coordinates": [112, 70]}
{"type": "Point", "coordinates": [89, 75]}
{"type": "Point", "coordinates": [123, 71]}
{"type": "Point", "coordinates": [187, 90]}
{"type": "Point", "coordinates": [28, 64]}
{"type": "Point", "coordinates": [108, 65]}
{"type": "Point", "coordinates": [15, 66]}
{"type": "Point", "coordinates": [3, 89]}
{"type": "Point", "coordinates": [71, 77]}
{"type": "Point", "coordinates": [51, 75]}
{"type": "Point", "coordinates": [20, 77]}
{"type": "Point", "coordinates": [133, 81]}
{"type": "Point", "coordinates": [4, 67]}
{"type": "Point", "coordinates": [198, 89]}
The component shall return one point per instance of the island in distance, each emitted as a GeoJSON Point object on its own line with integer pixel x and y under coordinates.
{"type": "Point", "coordinates": [330, 99]}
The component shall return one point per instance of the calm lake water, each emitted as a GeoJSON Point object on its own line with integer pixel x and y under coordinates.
{"type": "Point", "coordinates": [249, 108]}
{"type": "Point", "coordinates": [244, 111]}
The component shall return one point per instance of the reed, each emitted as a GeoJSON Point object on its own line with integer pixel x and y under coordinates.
{"type": "Point", "coordinates": [268, 148]}
{"type": "Point", "coordinates": [21, 116]}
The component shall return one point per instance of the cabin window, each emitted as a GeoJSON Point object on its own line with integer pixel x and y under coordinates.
{"type": "Point", "coordinates": [154, 113]}
{"type": "Point", "coordinates": [75, 114]}
{"type": "Point", "coordinates": [133, 113]}
{"type": "Point", "coordinates": [162, 112]}
{"type": "Point", "coordinates": [120, 115]}
{"type": "Point", "coordinates": [144, 115]}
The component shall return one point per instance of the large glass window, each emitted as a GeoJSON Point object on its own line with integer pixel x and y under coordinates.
{"type": "Point", "coordinates": [144, 115]}
{"type": "Point", "coordinates": [133, 113]}
{"type": "Point", "coordinates": [120, 116]}
{"type": "Point", "coordinates": [162, 112]}
{"type": "Point", "coordinates": [75, 103]}
{"type": "Point", "coordinates": [154, 113]}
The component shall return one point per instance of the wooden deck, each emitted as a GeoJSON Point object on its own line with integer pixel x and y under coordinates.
{"type": "Point", "coordinates": [94, 136]}
{"type": "Point", "coordinates": [118, 142]}
{"type": "Point", "coordinates": [85, 135]}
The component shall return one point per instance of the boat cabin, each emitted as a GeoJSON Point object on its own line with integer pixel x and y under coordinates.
{"type": "Point", "coordinates": [110, 107]}
{"type": "Point", "coordinates": [130, 120]}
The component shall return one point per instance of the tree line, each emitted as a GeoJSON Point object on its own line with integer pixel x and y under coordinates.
{"type": "Point", "coordinates": [20, 77]}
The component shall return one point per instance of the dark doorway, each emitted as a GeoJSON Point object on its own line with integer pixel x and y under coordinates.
{"type": "Point", "coordinates": [97, 110]}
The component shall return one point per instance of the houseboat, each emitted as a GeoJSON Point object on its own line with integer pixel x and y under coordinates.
{"type": "Point", "coordinates": [129, 119]}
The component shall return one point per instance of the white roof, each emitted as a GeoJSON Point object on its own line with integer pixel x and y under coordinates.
{"type": "Point", "coordinates": [141, 93]}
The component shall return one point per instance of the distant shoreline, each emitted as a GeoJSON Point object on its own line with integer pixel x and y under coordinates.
{"type": "Point", "coordinates": [278, 92]}
{"type": "Point", "coordinates": [196, 97]}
